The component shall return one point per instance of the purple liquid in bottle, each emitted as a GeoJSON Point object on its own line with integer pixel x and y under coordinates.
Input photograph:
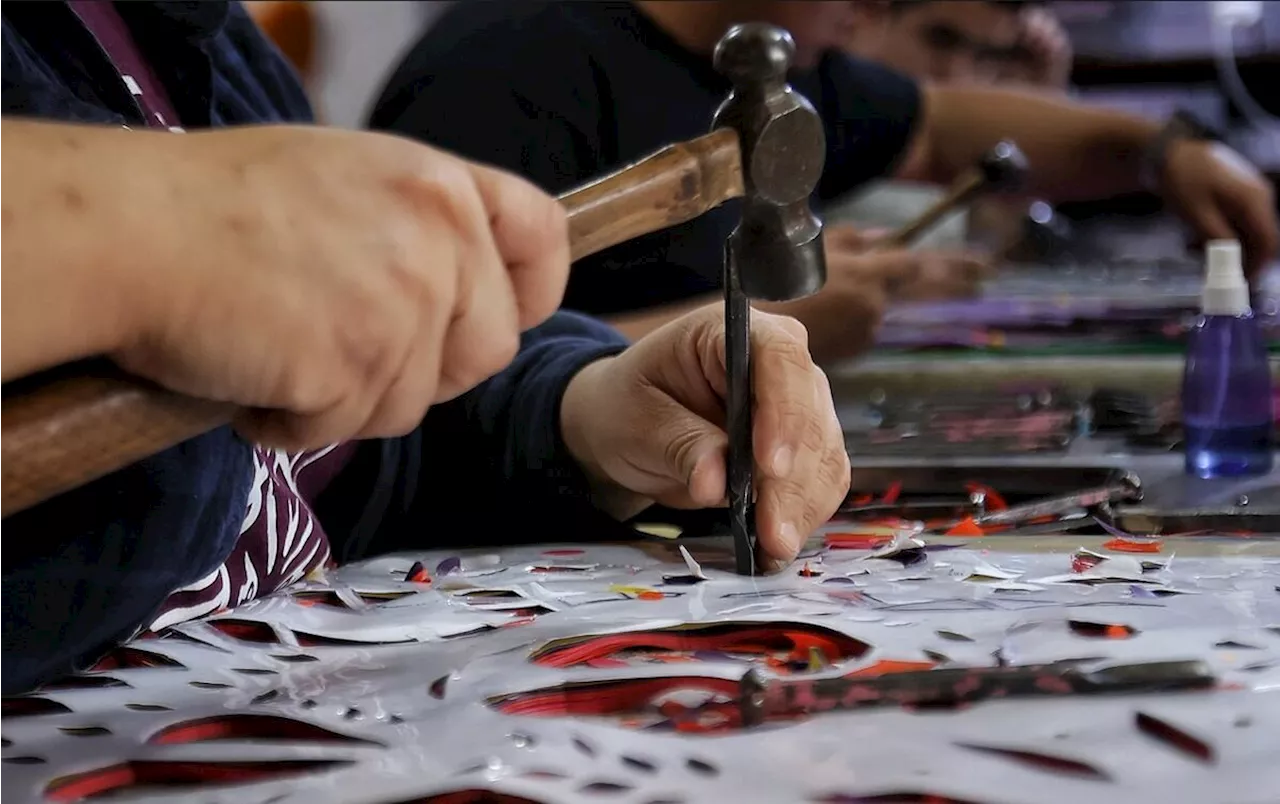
{"type": "Point", "coordinates": [1227, 412]}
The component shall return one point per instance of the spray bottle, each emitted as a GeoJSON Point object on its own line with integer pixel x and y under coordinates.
{"type": "Point", "coordinates": [1226, 387]}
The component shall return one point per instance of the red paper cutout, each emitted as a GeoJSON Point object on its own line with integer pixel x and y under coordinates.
{"type": "Point", "coordinates": [1122, 545]}
{"type": "Point", "coordinates": [967, 527]}
{"type": "Point", "coordinates": [146, 776]}
{"type": "Point", "coordinates": [249, 727]}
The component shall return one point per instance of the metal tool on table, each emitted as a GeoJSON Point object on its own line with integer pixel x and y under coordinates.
{"type": "Point", "coordinates": [762, 700]}
{"type": "Point", "coordinates": [66, 428]}
{"type": "Point", "coordinates": [1127, 487]}
{"type": "Point", "coordinates": [1002, 169]}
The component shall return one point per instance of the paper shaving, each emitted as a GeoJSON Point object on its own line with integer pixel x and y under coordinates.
{"type": "Point", "coordinates": [550, 568]}
{"type": "Point", "coordinates": [695, 569]}
{"type": "Point", "coordinates": [984, 572]}
{"type": "Point", "coordinates": [1015, 586]}
{"type": "Point", "coordinates": [900, 549]}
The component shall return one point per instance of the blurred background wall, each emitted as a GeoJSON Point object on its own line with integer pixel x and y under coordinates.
{"type": "Point", "coordinates": [362, 41]}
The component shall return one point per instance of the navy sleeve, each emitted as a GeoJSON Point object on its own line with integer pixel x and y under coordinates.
{"type": "Point", "coordinates": [870, 114]}
{"type": "Point", "coordinates": [491, 467]}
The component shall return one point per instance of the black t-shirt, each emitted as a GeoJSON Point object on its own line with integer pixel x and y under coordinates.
{"type": "Point", "coordinates": [561, 92]}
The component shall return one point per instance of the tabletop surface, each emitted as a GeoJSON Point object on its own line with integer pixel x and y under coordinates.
{"type": "Point", "coordinates": [364, 686]}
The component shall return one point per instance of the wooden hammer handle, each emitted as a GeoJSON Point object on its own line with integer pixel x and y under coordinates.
{"type": "Point", "coordinates": [674, 185]}
{"type": "Point", "coordinates": [68, 432]}
{"type": "Point", "coordinates": [958, 195]}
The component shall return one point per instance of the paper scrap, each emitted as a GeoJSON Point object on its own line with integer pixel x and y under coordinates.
{"type": "Point", "coordinates": [660, 530]}
{"type": "Point", "coordinates": [983, 571]}
{"type": "Point", "coordinates": [549, 568]}
{"type": "Point", "coordinates": [639, 592]}
{"type": "Point", "coordinates": [695, 569]}
{"type": "Point", "coordinates": [904, 548]}
{"type": "Point", "coordinates": [966, 527]}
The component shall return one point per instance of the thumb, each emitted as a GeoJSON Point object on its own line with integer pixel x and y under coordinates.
{"type": "Point", "coordinates": [693, 454]}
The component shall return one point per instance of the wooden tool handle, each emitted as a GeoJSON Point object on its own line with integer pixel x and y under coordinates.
{"type": "Point", "coordinates": [72, 431]}
{"type": "Point", "coordinates": [674, 185]}
{"type": "Point", "coordinates": [959, 194]}
{"type": "Point", "coordinates": [75, 430]}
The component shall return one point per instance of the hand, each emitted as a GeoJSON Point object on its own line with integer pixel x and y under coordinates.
{"type": "Point", "coordinates": [843, 317]}
{"type": "Point", "coordinates": [1223, 197]}
{"type": "Point", "coordinates": [908, 274]}
{"type": "Point", "coordinates": [336, 283]}
{"type": "Point", "coordinates": [647, 426]}
{"type": "Point", "coordinates": [1050, 49]}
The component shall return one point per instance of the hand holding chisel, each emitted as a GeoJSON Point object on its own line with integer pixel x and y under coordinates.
{"type": "Point", "coordinates": [776, 252]}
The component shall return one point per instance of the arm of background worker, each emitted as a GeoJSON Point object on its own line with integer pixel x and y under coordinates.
{"type": "Point", "coordinates": [1076, 152]}
{"type": "Point", "coordinates": [72, 276]}
{"type": "Point", "coordinates": [505, 435]}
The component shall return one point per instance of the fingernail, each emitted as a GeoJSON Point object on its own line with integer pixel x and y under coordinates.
{"type": "Point", "coordinates": [783, 459]}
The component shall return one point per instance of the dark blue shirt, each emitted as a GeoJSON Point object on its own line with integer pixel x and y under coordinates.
{"type": "Point", "coordinates": [562, 92]}
{"type": "Point", "coordinates": [83, 571]}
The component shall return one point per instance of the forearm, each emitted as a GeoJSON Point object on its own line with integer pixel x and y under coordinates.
{"type": "Point", "coordinates": [508, 434]}
{"type": "Point", "coordinates": [1075, 152]}
{"type": "Point", "coordinates": [637, 325]}
{"type": "Point", "coordinates": [70, 246]}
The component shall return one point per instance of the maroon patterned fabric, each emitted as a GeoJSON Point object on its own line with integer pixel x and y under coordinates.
{"type": "Point", "coordinates": [281, 541]}
{"type": "Point", "coordinates": [106, 25]}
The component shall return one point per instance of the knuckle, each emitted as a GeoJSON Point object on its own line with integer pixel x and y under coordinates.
{"type": "Point", "coordinates": [499, 348]}
{"type": "Point", "coordinates": [370, 336]}
{"type": "Point", "coordinates": [553, 219]}
{"type": "Point", "coordinates": [790, 352]}
{"type": "Point", "coordinates": [404, 417]}
{"type": "Point", "coordinates": [506, 347]}
{"type": "Point", "coordinates": [794, 329]}
{"type": "Point", "coordinates": [815, 429]}
{"type": "Point", "coordinates": [834, 475]}
{"type": "Point", "coordinates": [790, 496]}
{"type": "Point", "coordinates": [678, 444]}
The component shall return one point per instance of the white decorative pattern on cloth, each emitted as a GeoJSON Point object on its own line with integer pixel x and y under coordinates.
{"type": "Point", "coordinates": [280, 541]}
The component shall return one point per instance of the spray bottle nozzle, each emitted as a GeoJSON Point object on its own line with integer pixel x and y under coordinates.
{"type": "Point", "coordinates": [1225, 290]}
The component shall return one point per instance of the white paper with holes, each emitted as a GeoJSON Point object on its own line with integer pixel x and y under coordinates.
{"type": "Point", "coordinates": [367, 689]}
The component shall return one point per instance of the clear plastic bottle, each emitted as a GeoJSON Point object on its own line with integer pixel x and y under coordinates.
{"type": "Point", "coordinates": [1227, 412]}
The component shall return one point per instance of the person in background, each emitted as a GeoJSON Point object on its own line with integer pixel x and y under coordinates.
{"type": "Point", "coordinates": [964, 41]}
{"type": "Point", "coordinates": [361, 298]}
{"type": "Point", "coordinates": [562, 125]}
{"type": "Point", "coordinates": [563, 91]}
{"type": "Point", "coordinates": [1016, 43]}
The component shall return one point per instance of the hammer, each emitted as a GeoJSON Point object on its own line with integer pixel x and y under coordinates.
{"type": "Point", "coordinates": [68, 427]}
{"type": "Point", "coordinates": [1001, 169]}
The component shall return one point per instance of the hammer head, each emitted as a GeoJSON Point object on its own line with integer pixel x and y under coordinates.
{"type": "Point", "coordinates": [776, 251]}
{"type": "Point", "coordinates": [1004, 167]}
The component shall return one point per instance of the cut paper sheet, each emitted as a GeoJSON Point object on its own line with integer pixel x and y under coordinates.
{"type": "Point", "coordinates": [293, 701]}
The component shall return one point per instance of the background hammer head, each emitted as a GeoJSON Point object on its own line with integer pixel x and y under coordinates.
{"type": "Point", "coordinates": [1004, 167]}
{"type": "Point", "coordinates": [777, 247]}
